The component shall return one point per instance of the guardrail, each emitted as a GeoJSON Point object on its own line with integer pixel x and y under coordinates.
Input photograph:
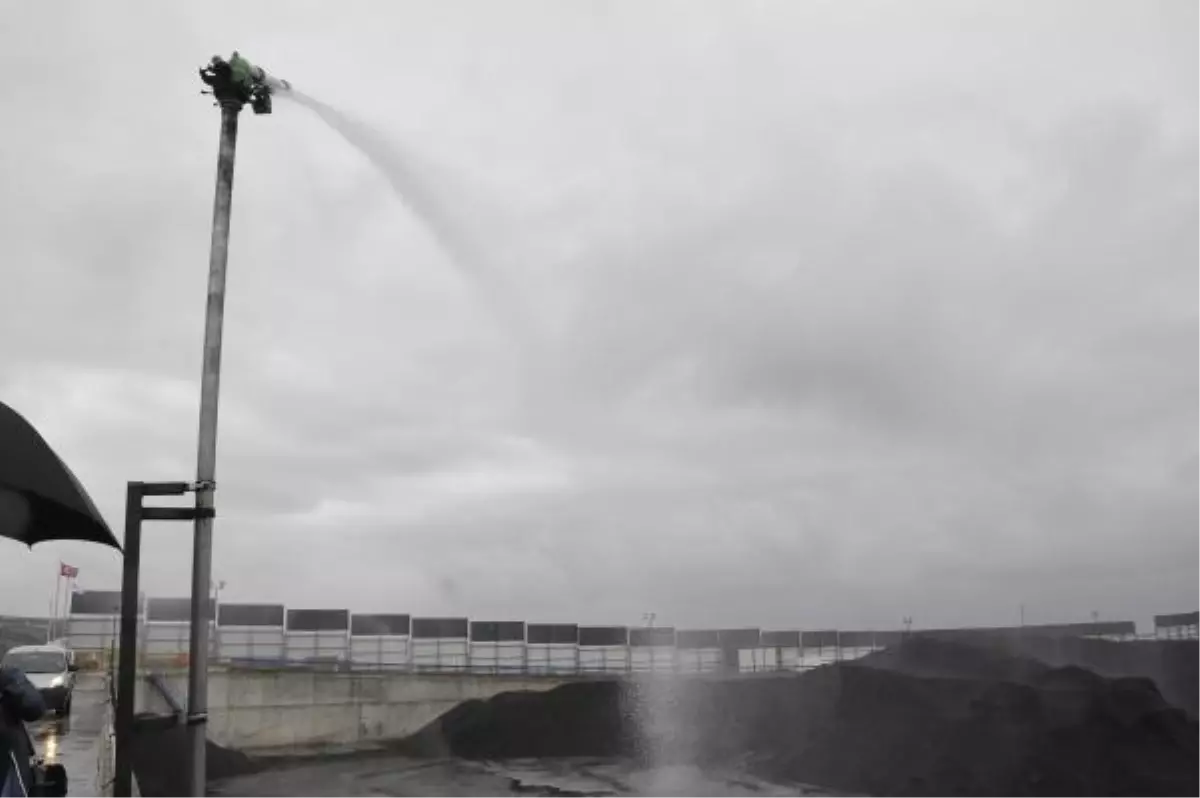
{"type": "Point", "coordinates": [266, 636]}
{"type": "Point", "coordinates": [756, 661]}
{"type": "Point", "coordinates": [106, 752]}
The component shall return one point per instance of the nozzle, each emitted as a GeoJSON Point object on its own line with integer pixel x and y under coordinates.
{"type": "Point", "coordinates": [238, 82]}
{"type": "Point", "coordinates": [276, 85]}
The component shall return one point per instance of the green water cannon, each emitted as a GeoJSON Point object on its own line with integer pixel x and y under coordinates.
{"type": "Point", "coordinates": [236, 81]}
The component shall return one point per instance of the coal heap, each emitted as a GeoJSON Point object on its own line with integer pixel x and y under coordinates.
{"type": "Point", "coordinates": [928, 717]}
{"type": "Point", "coordinates": [1174, 665]}
{"type": "Point", "coordinates": [930, 656]}
{"type": "Point", "coordinates": [995, 726]}
{"type": "Point", "coordinates": [579, 719]}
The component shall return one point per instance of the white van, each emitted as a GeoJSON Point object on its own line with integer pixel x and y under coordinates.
{"type": "Point", "coordinates": [51, 669]}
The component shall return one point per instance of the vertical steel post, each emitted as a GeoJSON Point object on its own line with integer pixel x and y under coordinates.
{"type": "Point", "coordinates": [206, 459]}
{"type": "Point", "coordinates": [54, 605]}
{"type": "Point", "coordinates": [127, 667]}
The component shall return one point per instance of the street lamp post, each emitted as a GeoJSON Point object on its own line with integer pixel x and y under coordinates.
{"type": "Point", "coordinates": [233, 84]}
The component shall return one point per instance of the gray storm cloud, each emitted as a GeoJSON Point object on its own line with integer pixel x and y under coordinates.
{"type": "Point", "coordinates": [824, 318]}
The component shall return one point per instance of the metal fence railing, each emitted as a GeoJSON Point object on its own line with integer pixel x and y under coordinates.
{"type": "Point", "coordinates": [453, 657]}
{"type": "Point", "coordinates": [272, 637]}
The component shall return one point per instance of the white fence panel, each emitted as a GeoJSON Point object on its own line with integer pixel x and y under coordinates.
{"type": "Point", "coordinates": [1178, 632]}
{"type": "Point", "coordinates": [603, 659]}
{"type": "Point", "coordinates": [652, 659]}
{"type": "Point", "coordinates": [553, 657]}
{"type": "Point", "coordinates": [165, 639]}
{"type": "Point", "coordinates": [316, 646]}
{"type": "Point", "coordinates": [93, 634]}
{"type": "Point", "coordinates": [440, 654]}
{"type": "Point", "coordinates": [380, 652]}
{"type": "Point", "coordinates": [505, 656]}
{"type": "Point", "coordinates": [755, 660]}
{"type": "Point", "coordinates": [814, 657]}
{"type": "Point", "coordinates": [857, 652]}
{"type": "Point", "coordinates": [171, 639]}
{"type": "Point", "coordinates": [699, 660]}
{"type": "Point", "coordinates": [250, 643]}
{"type": "Point", "coordinates": [789, 659]}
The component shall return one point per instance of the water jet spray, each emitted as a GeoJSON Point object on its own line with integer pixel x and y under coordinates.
{"type": "Point", "coordinates": [416, 192]}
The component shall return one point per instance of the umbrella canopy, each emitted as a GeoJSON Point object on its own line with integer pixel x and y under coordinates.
{"type": "Point", "coordinates": [40, 499]}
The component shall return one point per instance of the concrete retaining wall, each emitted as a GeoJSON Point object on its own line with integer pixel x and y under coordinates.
{"type": "Point", "coordinates": [284, 712]}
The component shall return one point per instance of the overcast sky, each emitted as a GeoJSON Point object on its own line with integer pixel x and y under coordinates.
{"type": "Point", "coordinates": [800, 314]}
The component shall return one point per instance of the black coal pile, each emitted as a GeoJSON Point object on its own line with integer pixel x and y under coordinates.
{"type": "Point", "coordinates": [1062, 733]}
{"type": "Point", "coordinates": [927, 718]}
{"type": "Point", "coordinates": [579, 719]}
{"type": "Point", "coordinates": [930, 656]}
{"type": "Point", "coordinates": [1173, 665]}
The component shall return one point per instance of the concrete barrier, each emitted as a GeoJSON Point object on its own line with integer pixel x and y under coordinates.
{"type": "Point", "coordinates": [287, 711]}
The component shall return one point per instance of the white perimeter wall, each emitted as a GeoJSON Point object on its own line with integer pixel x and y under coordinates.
{"type": "Point", "coordinates": [699, 660]}
{"type": "Point", "coordinates": [652, 659]}
{"type": "Point", "coordinates": [553, 657]}
{"type": "Point", "coordinates": [323, 645]}
{"type": "Point", "coordinates": [603, 659]}
{"type": "Point", "coordinates": [379, 652]}
{"type": "Point", "coordinates": [497, 656]}
{"type": "Point", "coordinates": [162, 639]}
{"type": "Point", "coordinates": [288, 711]}
{"type": "Point", "coordinates": [250, 643]}
{"type": "Point", "coordinates": [440, 653]}
{"type": "Point", "coordinates": [93, 633]}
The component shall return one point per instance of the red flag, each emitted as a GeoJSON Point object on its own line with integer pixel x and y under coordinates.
{"type": "Point", "coordinates": [68, 571]}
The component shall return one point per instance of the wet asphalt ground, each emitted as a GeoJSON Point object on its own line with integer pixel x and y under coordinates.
{"type": "Point", "coordinates": [74, 741]}
{"type": "Point", "coordinates": [391, 775]}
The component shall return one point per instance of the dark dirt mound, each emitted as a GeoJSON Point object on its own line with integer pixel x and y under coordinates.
{"type": "Point", "coordinates": [580, 719]}
{"type": "Point", "coordinates": [1173, 665]}
{"type": "Point", "coordinates": [1068, 733]}
{"type": "Point", "coordinates": [928, 656]}
{"type": "Point", "coordinates": [928, 718]}
{"type": "Point", "coordinates": [161, 754]}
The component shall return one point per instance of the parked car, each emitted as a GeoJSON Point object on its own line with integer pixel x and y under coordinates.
{"type": "Point", "coordinates": [51, 669]}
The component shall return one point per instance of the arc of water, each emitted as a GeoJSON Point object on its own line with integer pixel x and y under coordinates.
{"type": "Point", "coordinates": [500, 295]}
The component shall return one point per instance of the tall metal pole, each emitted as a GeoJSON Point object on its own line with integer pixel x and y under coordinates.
{"type": "Point", "coordinates": [126, 687]}
{"type": "Point", "coordinates": [206, 460]}
{"type": "Point", "coordinates": [50, 621]}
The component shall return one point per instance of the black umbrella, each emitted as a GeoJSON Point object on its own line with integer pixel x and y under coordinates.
{"type": "Point", "coordinates": [40, 499]}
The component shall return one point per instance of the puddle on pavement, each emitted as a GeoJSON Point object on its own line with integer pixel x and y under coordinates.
{"type": "Point", "coordinates": [73, 741]}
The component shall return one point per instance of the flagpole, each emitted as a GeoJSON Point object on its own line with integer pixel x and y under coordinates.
{"type": "Point", "coordinates": [54, 605]}
{"type": "Point", "coordinates": [65, 608]}
{"type": "Point", "coordinates": [58, 592]}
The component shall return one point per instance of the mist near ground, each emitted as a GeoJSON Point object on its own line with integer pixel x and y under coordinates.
{"type": "Point", "coordinates": [800, 315]}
